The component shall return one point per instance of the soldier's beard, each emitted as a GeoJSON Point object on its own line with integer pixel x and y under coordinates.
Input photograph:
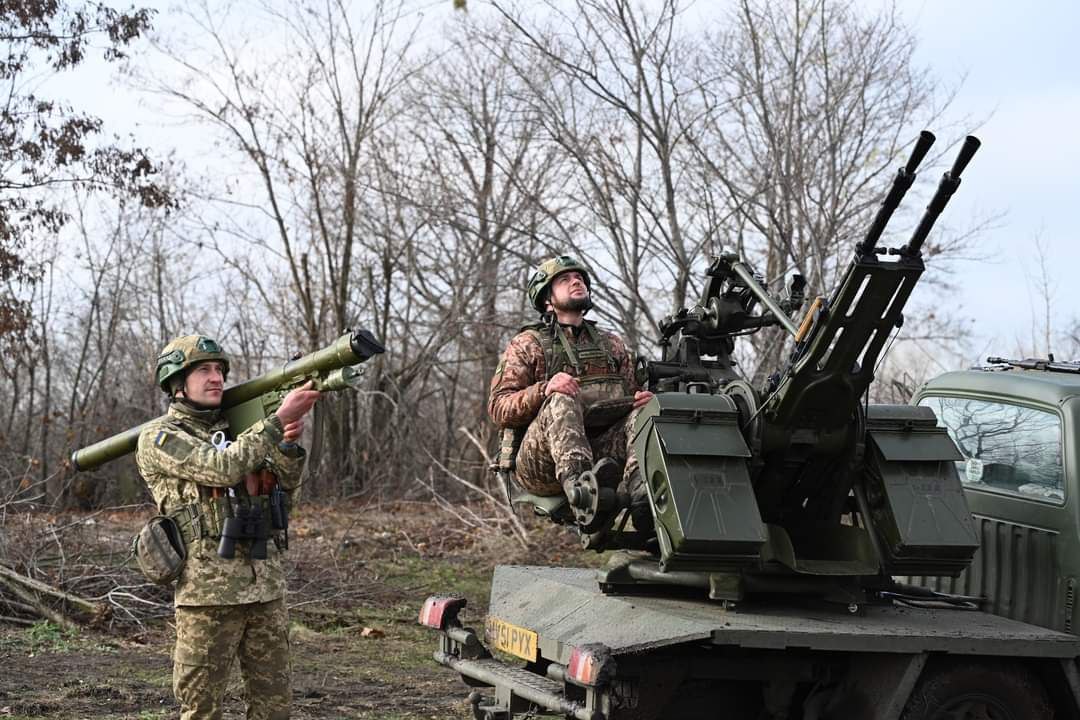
{"type": "Point", "coordinates": [581, 305]}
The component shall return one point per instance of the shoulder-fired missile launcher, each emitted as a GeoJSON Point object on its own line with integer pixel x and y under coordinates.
{"type": "Point", "coordinates": [799, 486]}
{"type": "Point", "coordinates": [329, 369]}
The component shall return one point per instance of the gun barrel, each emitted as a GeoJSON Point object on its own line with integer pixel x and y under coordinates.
{"type": "Point", "coordinates": [949, 182]}
{"type": "Point", "coordinates": [904, 178]}
{"type": "Point", "coordinates": [747, 276]}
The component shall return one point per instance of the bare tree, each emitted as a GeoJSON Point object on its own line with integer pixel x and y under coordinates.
{"type": "Point", "coordinates": [367, 178]}
{"type": "Point", "coordinates": [612, 102]}
{"type": "Point", "coordinates": [304, 120]}
{"type": "Point", "coordinates": [483, 172]}
{"type": "Point", "coordinates": [810, 106]}
{"type": "Point", "coordinates": [1042, 288]}
{"type": "Point", "coordinates": [48, 147]}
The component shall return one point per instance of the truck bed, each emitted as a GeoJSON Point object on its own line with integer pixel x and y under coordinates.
{"type": "Point", "coordinates": [565, 607]}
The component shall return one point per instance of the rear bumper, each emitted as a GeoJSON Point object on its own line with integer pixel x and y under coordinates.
{"type": "Point", "coordinates": [517, 690]}
{"type": "Point", "coordinates": [517, 684]}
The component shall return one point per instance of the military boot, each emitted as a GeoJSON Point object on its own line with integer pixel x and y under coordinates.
{"type": "Point", "coordinates": [593, 495]}
{"type": "Point", "coordinates": [641, 514]}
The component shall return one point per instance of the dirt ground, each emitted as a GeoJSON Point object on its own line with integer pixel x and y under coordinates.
{"type": "Point", "coordinates": [358, 576]}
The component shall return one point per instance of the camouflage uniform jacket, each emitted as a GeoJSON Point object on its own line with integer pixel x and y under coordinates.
{"type": "Point", "coordinates": [180, 465]}
{"type": "Point", "coordinates": [517, 389]}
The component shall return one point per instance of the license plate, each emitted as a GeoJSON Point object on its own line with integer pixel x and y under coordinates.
{"type": "Point", "coordinates": [510, 638]}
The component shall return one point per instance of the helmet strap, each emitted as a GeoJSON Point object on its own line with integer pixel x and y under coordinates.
{"type": "Point", "coordinates": [177, 385]}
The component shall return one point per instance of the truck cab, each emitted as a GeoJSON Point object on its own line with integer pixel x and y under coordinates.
{"type": "Point", "coordinates": [1016, 426]}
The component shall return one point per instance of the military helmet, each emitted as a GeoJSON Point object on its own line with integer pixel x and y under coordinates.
{"type": "Point", "coordinates": [547, 271]}
{"type": "Point", "coordinates": [184, 352]}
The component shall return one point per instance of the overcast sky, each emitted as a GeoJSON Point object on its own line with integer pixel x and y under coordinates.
{"type": "Point", "coordinates": [1020, 68]}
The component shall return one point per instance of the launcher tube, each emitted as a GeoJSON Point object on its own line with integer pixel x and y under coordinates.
{"type": "Point", "coordinates": [348, 350]}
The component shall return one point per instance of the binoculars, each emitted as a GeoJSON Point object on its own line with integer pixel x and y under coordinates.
{"type": "Point", "coordinates": [249, 523]}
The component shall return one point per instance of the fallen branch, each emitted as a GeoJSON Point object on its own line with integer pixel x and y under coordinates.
{"type": "Point", "coordinates": [40, 608]}
{"type": "Point", "coordinates": [18, 606]}
{"type": "Point", "coordinates": [17, 620]}
{"type": "Point", "coordinates": [37, 586]}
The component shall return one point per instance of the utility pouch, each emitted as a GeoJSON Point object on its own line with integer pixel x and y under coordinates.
{"type": "Point", "coordinates": [218, 510]}
{"type": "Point", "coordinates": [160, 551]}
{"type": "Point", "coordinates": [280, 504]}
{"type": "Point", "coordinates": [279, 509]}
{"type": "Point", "coordinates": [509, 444]}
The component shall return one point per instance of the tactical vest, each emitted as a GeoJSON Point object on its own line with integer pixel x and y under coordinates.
{"type": "Point", "coordinates": [206, 518]}
{"type": "Point", "coordinates": [589, 360]}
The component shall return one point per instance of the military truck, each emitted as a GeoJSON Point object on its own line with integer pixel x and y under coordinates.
{"type": "Point", "coordinates": [783, 517]}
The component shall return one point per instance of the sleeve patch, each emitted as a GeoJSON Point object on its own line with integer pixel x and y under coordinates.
{"type": "Point", "coordinates": [174, 446]}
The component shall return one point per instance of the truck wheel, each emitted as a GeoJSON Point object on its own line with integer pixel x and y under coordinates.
{"type": "Point", "coordinates": [978, 691]}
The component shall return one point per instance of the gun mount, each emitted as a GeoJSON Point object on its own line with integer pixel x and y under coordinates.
{"type": "Point", "coordinates": [799, 486]}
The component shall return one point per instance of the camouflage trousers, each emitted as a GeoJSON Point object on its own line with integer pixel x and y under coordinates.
{"type": "Point", "coordinates": [556, 447]}
{"type": "Point", "coordinates": [207, 640]}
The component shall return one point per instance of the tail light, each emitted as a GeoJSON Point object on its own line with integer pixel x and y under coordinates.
{"type": "Point", "coordinates": [589, 664]}
{"type": "Point", "coordinates": [439, 610]}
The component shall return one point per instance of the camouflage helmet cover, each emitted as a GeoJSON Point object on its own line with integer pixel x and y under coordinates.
{"type": "Point", "coordinates": [183, 353]}
{"type": "Point", "coordinates": [548, 271]}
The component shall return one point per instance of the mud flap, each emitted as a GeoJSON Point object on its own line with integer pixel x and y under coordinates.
{"type": "Point", "coordinates": [876, 687]}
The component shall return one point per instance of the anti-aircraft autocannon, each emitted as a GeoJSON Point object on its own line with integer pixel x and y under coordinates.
{"type": "Point", "coordinates": [781, 495]}
{"type": "Point", "coordinates": [800, 485]}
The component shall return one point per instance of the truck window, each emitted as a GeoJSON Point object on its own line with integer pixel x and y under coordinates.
{"type": "Point", "coordinates": [1007, 448]}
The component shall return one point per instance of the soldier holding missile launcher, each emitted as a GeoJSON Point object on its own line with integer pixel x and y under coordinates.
{"type": "Point", "coordinates": [222, 466]}
{"type": "Point", "coordinates": [230, 593]}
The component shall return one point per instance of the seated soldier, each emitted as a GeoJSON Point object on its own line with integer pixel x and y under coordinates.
{"type": "Point", "coordinates": [548, 377]}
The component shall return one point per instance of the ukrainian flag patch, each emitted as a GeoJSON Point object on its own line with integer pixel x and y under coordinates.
{"type": "Point", "coordinates": [160, 439]}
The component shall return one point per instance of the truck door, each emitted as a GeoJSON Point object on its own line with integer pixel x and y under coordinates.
{"type": "Point", "coordinates": [1014, 476]}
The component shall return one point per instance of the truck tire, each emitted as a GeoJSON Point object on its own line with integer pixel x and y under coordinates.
{"type": "Point", "coordinates": [978, 691]}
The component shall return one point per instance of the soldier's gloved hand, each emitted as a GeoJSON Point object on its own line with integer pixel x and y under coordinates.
{"type": "Point", "coordinates": [297, 404]}
{"type": "Point", "coordinates": [562, 383]}
{"type": "Point", "coordinates": [293, 431]}
{"type": "Point", "coordinates": [641, 397]}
